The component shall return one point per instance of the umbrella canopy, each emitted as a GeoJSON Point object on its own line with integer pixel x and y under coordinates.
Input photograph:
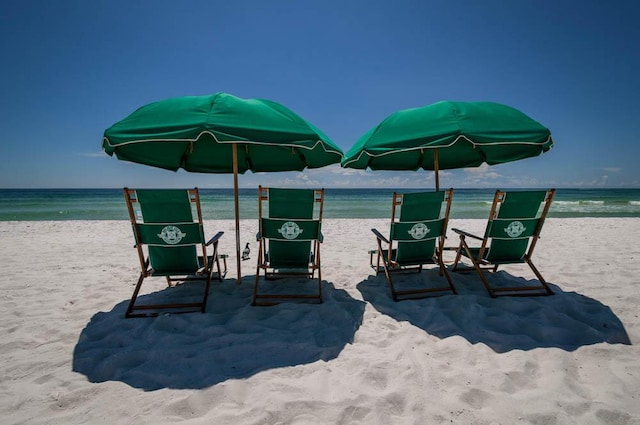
{"type": "Point", "coordinates": [447, 135]}
{"type": "Point", "coordinates": [220, 133]}
{"type": "Point", "coordinates": [196, 133]}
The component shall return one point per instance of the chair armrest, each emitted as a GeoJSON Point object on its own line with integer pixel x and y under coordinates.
{"type": "Point", "coordinates": [215, 238]}
{"type": "Point", "coordinates": [463, 233]}
{"type": "Point", "coordinates": [258, 237]}
{"type": "Point", "coordinates": [321, 237]}
{"type": "Point", "coordinates": [379, 236]}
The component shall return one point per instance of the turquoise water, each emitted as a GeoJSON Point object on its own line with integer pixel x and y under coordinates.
{"type": "Point", "coordinates": [108, 204]}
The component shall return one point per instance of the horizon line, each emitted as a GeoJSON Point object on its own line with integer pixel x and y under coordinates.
{"type": "Point", "coordinates": [333, 188]}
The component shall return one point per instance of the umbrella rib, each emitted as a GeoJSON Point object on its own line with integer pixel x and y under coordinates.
{"type": "Point", "coordinates": [247, 157]}
{"type": "Point", "coordinates": [443, 146]}
{"type": "Point", "coordinates": [289, 144]}
{"type": "Point", "coordinates": [251, 142]}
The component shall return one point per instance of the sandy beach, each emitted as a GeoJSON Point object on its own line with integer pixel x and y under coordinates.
{"type": "Point", "coordinates": [69, 356]}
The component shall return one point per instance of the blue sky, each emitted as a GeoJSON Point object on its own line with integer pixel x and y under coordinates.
{"type": "Point", "coordinates": [70, 69]}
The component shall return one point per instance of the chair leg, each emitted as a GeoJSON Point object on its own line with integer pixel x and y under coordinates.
{"type": "Point", "coordinates": [154, 309]}
{"type": "Point", "coordinates": [387, 273]}
{"type": "Point", "coordinates": [321, 299]}
{"type": "Point", "coordinates": [458, 255]}
{"type": "Point", "coordinates": [255, 288]}
{"type": "Point", "coordinates": [476, 265]}
{"type": "Point", "coordinates": [443, 270]}
{"type": "Point", "coordinates": [540, 278]}
{"type": "Point", "coordinates": [412, 294]}
{"type": "Point", "coordinates": [217, 259]}
{"type": "Point", "coordinates": [210, 276]}
{"type": "Point", "coordinates": [494, 268]}
{"type": "Point", "coordinates": [224, 262]}
{"type": "Point", "coordinates": [376, 265]}
{"type": "Point", "coordinates": [492, 291]}
{"type": "Point", "coordinates": [132, 302]}
{"type": "Point", "coordinates": [390, 280]}
{"type": "Point", "coordinates": [255, 285]}
{"type": "Point", "coordinates": [320, 283]}
{"type": "Point", "coordinates": [207, 287]}
{"type": "Point", "coordinates": [221, 272]}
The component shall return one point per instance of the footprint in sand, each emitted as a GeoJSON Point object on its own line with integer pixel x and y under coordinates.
{"type": "Point", "coordinates": [475, 398]}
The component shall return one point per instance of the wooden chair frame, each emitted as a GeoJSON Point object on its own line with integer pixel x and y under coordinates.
{"type": "Point", "coordinates": [271, 273]}
{"type": "Point", "coordinates": [204, 274]}
{"type": "Point", "coordinates": [480, 265]}
{"type": "Point", "coordinates": [390, 266]}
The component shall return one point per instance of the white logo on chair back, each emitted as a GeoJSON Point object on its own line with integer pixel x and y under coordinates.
{"type": "Point", "coordinates": [419, 231]}
{"type": "Point", "coordinates": [290, 230]}
{"type": "Point", "coordinates": [171, 235]}
{"type": "Point", "coordinates": [515, 229]}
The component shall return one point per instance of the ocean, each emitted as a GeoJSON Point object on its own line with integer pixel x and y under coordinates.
{"type": "Point", "coordinates": [108, 204]}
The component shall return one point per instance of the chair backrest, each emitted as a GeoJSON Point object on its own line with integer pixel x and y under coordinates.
{"type": "Point", "coordinates": [289, 226]}
{"type": "Point", "coordinates": [515, 222]}
{"type": "Point", "coordinates": [163, 220]}
{"type": "Point", "coordinates": [420, 226]}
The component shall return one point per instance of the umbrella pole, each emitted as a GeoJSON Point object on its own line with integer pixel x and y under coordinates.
{"type": "Point", "coordinates": [237, 207]}
{"type": "Point", "coordinates": [435, 168]}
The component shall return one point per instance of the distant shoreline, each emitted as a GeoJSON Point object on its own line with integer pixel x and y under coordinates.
{"type": "Point", "coordinates": [333, 188]}
{"type": "Point", "coordinates": [108, 204]}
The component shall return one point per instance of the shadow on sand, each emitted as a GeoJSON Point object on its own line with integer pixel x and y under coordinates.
{"type": "Point", "coordinates": [566, 320]}
{"type": "Point", "coordinates": [231, 340]}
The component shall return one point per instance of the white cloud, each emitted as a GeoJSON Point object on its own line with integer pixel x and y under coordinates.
{"type": "Point", "coordinates": [333, 168]}
{"type": "Point", "coordinates": [602, 181]}
{"type": "Point", "coordinates": [336, 177]}
{"type": "Point", "coordinates": [483, 171]}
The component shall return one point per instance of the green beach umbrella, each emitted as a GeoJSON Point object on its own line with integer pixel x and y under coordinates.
{"type": "Point", "coordinates": [448, 135]}
{"type": "Point", "coordinates": [220, 133]}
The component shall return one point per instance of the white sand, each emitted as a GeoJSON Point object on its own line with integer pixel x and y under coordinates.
{"type": "Point", "coordinates": [68, 356]}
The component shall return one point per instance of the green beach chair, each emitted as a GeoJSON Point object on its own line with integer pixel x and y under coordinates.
{"type": "Point", "coordinates": [514, 226]}
{"type": "Point", "coordinates": [167, 240]}
{"type": "Point", "coordinates": [418, 229]}
{"type": "Point", "coordinates": [289, 239]}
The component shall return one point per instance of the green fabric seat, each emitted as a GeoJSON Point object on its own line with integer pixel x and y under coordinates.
{"type": "Point", "coordinates": [416, 238]}
{"type": "Point", "coordinates": [289, 238]}
{"type": "Point", "coordinates": [170, 243]}
{"type": "Point", "coordinates": [514, 225]}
